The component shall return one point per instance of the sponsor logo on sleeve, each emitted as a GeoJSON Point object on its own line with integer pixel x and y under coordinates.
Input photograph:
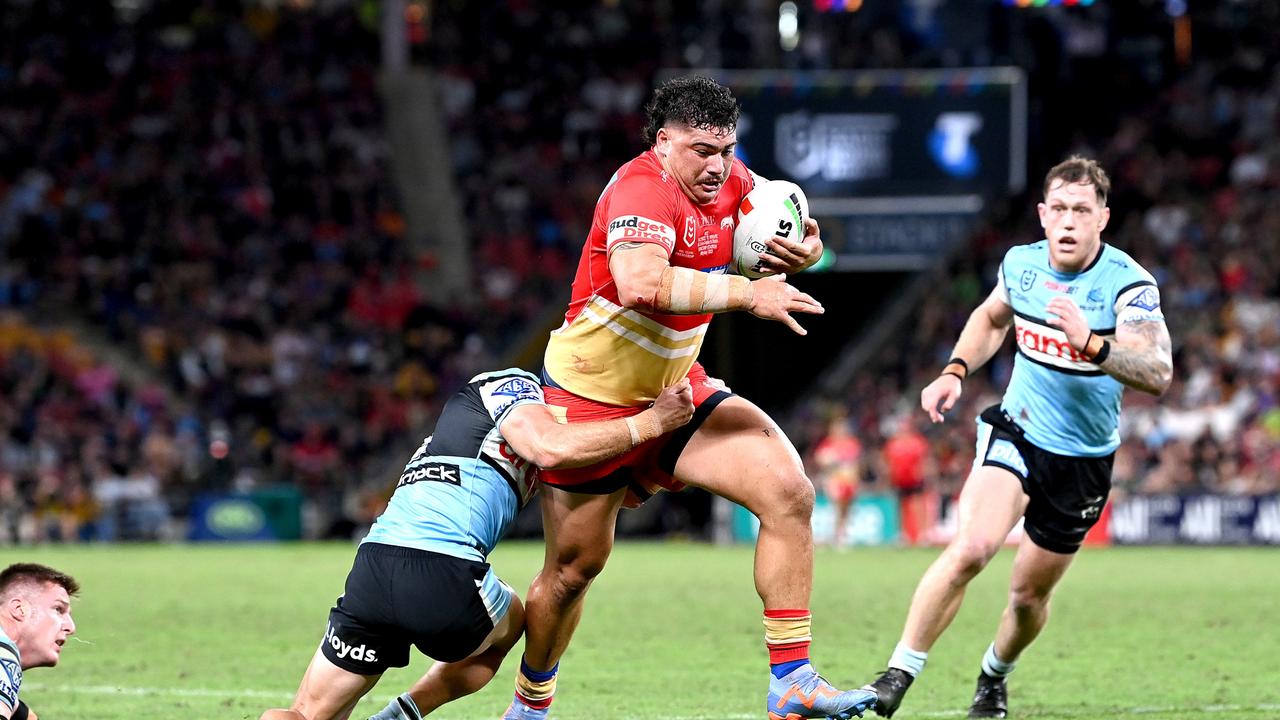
{"type": "Point", "coordinates": [10, 678]}
{"type": "Point", "coordinates": [500, 395]}
{"type": "Point", "coordinates": [633, 228]}
{"type": "Point", "coordinates": [1148, 299]}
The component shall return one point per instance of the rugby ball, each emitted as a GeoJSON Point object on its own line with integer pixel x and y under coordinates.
{"type": "Point", "coordinates": [774, 209]}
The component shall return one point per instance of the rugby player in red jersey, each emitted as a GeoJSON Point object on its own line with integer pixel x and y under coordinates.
{"type": "Point", "coordinates": [652, 274]}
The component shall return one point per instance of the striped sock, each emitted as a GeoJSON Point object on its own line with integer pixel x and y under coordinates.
{"type": "Point", "coordinates": [536, 688]}
{"type": "Point", "coordinates": [402, 708]}
{"type": "Point", "coordinates": [908, 660]}
{"type": "Point", "coordinates": [787, 635]}
{"type": "Point", "coordinates": [994, 666]}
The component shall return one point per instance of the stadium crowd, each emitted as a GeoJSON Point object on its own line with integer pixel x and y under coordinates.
{"type": "Point", "coordinates": [1195, 174]}
{"type": "Point", "coordinates": [207, 187]}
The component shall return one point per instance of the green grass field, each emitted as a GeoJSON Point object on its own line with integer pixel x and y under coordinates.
{"type": "Point", "coordinates": [672, 632]}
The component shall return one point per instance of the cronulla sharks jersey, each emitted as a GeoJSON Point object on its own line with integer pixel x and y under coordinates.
{"type": "Point", "coordinates": [1065, 404]}
{"type": "Point", "coordinates": [464, 486]}
{"type": "Point", "coordinates": [10, 672]}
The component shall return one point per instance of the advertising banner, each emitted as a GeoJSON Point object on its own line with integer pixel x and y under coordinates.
{"type": "Point", "coordinates": [273, 513]}
{"type": "Point", "coordinates": [1196, 520]}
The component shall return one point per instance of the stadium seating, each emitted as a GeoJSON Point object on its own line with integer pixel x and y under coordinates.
{"type": "Point", "coordinates": [207, 190]}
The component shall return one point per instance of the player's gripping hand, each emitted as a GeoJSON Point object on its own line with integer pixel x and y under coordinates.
{"type": "Point", "coordinates": [789, 256]}
{"type": "Point", "coordinates": [674, 405]}
{"type": "Point", "coordinates": [1065, 315]}
{"type": "Point", "coordinates": [773, 299]}
{"type": "Point", "coordinates": [940, 396]}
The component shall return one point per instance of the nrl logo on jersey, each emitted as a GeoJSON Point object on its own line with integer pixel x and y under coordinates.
{"type": "Point", "coordinates": [1028, 280]}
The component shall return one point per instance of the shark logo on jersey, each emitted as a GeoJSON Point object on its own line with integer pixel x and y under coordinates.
{"type": "Point", "coordinates": [1095, 295]}
{"type": "Point", "coordinates": [1028, 280]}
{"type": "Point", "coordinates": [1149, 300]}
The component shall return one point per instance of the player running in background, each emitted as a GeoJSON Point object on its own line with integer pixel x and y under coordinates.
{"type": "Point", "coordinates": [35, 622]}
{"type": "Point", "coordinates": [838, 457]}
{"type": "Point", "coordinates": [651, 276]}
{"type": "Point", "coordinates": [420, 576]}
{"type": "Point", "coordinates": [1087, 322]}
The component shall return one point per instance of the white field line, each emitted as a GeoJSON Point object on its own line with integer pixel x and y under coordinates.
{"type": "Point", "coordinates": [287, 696]}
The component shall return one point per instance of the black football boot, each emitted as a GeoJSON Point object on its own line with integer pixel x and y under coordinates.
{"type": "Point", "coordinates": [991, 699]}
{"type": "Point", "coordinates": [890, 688]}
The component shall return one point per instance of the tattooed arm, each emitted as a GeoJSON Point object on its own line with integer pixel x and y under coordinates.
{"type": "Point", "coordinates": [1141, 356]}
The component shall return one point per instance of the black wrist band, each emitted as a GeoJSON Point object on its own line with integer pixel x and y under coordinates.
{"type": "Point", "coordinates": [959, 361]}
{"type": "Point", "coordinates": [952, 373]}
{"type": "Point", "coordinates": [1103, 352]}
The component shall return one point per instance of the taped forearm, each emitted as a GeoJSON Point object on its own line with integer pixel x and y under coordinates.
{"type": "Point", "coordinates": [577, 444]}
{"type": "Point", "coordinates": [643, 427]}
{"type": "Point", "coordinates": [683, 291]}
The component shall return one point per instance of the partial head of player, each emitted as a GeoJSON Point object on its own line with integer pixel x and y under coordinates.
{"type": "Point", "coordinates": [692, 126]}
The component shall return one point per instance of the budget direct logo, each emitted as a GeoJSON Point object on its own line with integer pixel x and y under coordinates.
{"type": "Point", "coordinates": [950, 143]}
{"type": "Point", "coordinates": [633, 228]}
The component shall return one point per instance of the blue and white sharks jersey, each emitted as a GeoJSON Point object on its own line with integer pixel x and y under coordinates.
{"type": "Point", "coordinates": [463, 488]}
{"type": "Point", "coordinates": [1065, 404]}
{"type": "Point", "coordinates": [10, 673]}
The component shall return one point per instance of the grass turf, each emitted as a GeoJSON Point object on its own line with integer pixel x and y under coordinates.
{"type": "Point", "coordinates": [673, 631]}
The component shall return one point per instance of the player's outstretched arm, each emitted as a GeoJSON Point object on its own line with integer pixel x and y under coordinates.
{"type": "Point", "coordinates": [983, 334]}
{"type": "Point", "coordinates": [534, 434]}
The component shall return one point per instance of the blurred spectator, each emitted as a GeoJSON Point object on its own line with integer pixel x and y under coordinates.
{"type": "Point", "coordinates": [907, 463]}
{"type": "Point", "coordinates": [838, 458]}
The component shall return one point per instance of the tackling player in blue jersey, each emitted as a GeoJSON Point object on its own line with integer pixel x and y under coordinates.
{"type": "Point", "coordinates": [420, 576]}
{"type": "Point", "coordinates": [35, 622]}
{"type": "Point", "coordinates": [1087, 322]}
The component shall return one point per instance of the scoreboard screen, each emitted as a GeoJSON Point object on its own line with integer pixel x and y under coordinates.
{"type": "Point", "coordinates": [896, 163]}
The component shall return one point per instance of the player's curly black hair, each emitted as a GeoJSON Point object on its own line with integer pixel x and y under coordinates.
{"type": "Point", "coordinates": [696, 101]}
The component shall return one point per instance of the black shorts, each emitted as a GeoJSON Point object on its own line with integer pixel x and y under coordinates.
{"type": "Point", "coordinates": [397, 596]}
{"type": "Point", "coordinates": [1067, 493]}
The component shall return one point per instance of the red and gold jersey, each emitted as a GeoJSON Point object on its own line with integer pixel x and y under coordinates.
{"type": "Point", "coordinates": [612, 354]}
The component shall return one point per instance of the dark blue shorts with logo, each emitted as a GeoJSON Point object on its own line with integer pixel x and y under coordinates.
{"type": "Point", "coordinates": [396, 597]}
{"type": "Point", "coordinates": [1067, 493]}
